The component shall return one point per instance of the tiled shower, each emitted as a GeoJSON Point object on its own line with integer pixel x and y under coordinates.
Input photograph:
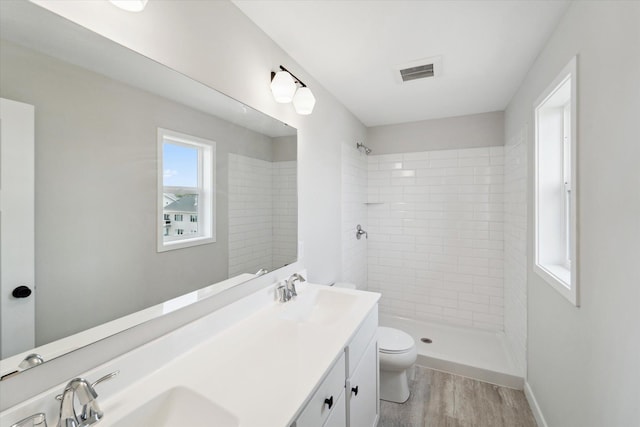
{"type": "Point", "coordinates": [439, 223]}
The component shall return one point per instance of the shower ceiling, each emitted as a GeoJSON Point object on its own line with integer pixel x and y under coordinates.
{"type": "Point", "coordinates": [354, 48]}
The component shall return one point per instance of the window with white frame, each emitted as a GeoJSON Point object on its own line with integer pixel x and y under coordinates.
{"type": "Point", "coordinates": [555, 184]}
{"type": "Point", "coordinates": [186, 187]}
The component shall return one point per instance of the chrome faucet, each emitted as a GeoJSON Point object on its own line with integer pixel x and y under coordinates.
{"type": "Point", "coordinates": [86, 393]}
{"type": "Point", "coordinates": [288, 290]}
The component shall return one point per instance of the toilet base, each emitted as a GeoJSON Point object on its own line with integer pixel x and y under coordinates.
{"type": "Point", "coordinates": [394, 386]}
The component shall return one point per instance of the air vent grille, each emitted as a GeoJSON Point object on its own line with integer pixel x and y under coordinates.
{"type": "Point", "coordinates": [418, 72]}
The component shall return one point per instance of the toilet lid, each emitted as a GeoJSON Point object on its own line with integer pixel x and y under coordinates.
{"type": "Point", "coordinates": [392, 340]}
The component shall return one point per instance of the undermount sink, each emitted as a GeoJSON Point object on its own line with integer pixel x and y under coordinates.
{"type": "Point", "coordinates": [319, 306]}
{"type": "Point", "coordinates": [179, 407]}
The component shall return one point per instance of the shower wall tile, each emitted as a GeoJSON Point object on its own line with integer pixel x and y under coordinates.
{"type": "Point", "coordinates": [515, 238]}
{"type": "Point", "coordinates": [263, 214]}
{"type": "Point", "coordinates": [354, 212]}
{"type": "Point", "coordinates": [250, 214]}
{"type": "Point", "coordinates": [285, 212]}
{"type": "Point", "coordinates": [436, 231]}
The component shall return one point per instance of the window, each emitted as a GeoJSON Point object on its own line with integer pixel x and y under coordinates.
{"type": "Point", "coordinates": [555, 184]}
{"type": "Point", "coordinates": [186, 183]}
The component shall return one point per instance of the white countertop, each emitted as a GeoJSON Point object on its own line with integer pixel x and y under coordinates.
{"type": "Point", "coordinates": [263, 369]}
{"type": "Point", "coordinates": [245, 358]}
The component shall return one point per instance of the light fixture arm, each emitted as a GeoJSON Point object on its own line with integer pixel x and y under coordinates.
{"type": "Point", "coordinates": [297, 80]}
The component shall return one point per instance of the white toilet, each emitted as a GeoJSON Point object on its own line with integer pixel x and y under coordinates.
{"type": "Point", "coordinates": [397, 352]}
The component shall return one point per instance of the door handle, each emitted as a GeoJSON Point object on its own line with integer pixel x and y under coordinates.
{"type": "Point", "coordinates": [21, 291]}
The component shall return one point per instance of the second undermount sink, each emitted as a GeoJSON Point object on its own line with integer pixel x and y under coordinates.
{"type": "Point", "coordinates": [318, 305]}
{"type": "Point", "coordinates": [179, 407]}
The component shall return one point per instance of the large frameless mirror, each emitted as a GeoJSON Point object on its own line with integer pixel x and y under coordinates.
{"type": "Point", "coordinates": [150, 190]}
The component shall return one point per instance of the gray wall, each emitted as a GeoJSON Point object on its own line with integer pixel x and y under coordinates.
{"type": "Point", "coordinates": [285, 148]}
{"type": "Point", "coordinates": [476, 130]}
{"type": "Point", "coordinates": [96, 189]}
{"type": "Point", "coordinates": [583, 363]}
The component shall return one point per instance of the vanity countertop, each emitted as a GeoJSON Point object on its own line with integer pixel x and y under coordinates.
{"type": "Point", "coordinates": [262, 369]}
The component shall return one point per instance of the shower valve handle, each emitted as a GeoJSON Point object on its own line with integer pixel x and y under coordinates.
{"type": "Point", "coordinates": [360, 232]}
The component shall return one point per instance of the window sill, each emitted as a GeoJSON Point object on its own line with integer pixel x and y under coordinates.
{"type": "Point", "coordinates": [559, 277]}
{"type": "Point", "coordinates": [185, 243]}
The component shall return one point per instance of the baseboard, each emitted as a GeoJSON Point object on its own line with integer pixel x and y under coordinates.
{"type": "Point", "coordinates": [533, 404]}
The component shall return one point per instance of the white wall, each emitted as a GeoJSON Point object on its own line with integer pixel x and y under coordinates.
{"type": "Point", "coordinates": [436, 235]}
{"type": "Point", "coordinates": [515, 247]}
{"type": "Point", "coordinates": [583, 363]}
{"type": "Point", "coordinates": [354, 212]}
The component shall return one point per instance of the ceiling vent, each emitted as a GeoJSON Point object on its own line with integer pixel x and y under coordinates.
{"type": "Point", "coordinates": [421, 69]}
{"type": "Point", "coordinates": [419, 72]}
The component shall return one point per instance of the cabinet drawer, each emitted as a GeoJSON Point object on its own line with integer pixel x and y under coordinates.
{"type": "Point", "coordinates": [317, 411]}
{"type": "Point", "coordinates": [361, 339]}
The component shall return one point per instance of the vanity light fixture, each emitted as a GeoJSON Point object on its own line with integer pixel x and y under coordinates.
{"type": "Point", "coordinates": [284, 87]}
{"type": "Point", "coordinates": [130, 5]}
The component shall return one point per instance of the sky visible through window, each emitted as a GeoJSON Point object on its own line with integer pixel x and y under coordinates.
{"type": "Point", "coordinates": [180, 166]}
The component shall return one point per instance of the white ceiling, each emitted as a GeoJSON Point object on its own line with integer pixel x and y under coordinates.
{"type": "Point", "coordinates": [351, 47]}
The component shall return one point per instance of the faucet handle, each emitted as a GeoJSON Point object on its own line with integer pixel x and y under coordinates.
{"type": "Point", "coordinates": [94, 384]}
{"type": "Point", "coordinates": [105, 378]}
{"type": "Point", "coordinates": [36, 420]}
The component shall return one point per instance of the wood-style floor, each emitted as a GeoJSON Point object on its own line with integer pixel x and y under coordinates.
{"type": "Point", "coordinates": [439, 399]}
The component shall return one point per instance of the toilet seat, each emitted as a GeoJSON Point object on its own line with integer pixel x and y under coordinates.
{"type": "Point", "coordinates": [394, 341]}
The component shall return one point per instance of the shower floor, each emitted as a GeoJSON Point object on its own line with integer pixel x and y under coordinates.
{"type": "Point", "coordinates": [472, 353]}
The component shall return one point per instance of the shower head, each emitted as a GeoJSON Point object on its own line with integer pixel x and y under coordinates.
{"type": "Point", "coordinates": [366, 149]}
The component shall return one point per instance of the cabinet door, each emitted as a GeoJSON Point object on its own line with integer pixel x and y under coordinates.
{"type": "Point", "coordinates": [332, 387]}
{"type": "Point", "coordinates": [362, 390]}
{"type": "Point", "coordinates": [338, 416]}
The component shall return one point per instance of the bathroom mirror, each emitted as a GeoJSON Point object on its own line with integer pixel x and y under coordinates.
{"type": "Point", "coordinates": [98, 108]}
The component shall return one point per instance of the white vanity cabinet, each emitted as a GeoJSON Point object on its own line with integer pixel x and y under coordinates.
{"type": "Point", "coordinates": [351, 386]}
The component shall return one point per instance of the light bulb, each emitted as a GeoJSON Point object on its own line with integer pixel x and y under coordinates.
{"type": "Point", "coordinates": [304, 101]}
{"type": "Point", "coordinates": [283, 87]}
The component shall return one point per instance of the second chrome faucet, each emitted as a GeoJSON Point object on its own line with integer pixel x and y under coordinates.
{"type": "Point", "coordinates": [287, 291]}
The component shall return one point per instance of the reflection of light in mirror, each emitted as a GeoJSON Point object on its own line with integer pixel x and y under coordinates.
{"type": "Point", "coordinates": [130, 5]}
{"type": "Point", "coordinates": [179, 302]}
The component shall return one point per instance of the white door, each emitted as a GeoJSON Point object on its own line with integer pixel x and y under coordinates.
{"type": "Point", "coordinates": [17, 315]}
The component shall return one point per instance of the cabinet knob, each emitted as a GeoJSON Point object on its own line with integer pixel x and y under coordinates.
{"type": "Point", "coordinates": [354, 390]}
{"type": "Point", "coordinates": [329, 402]}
